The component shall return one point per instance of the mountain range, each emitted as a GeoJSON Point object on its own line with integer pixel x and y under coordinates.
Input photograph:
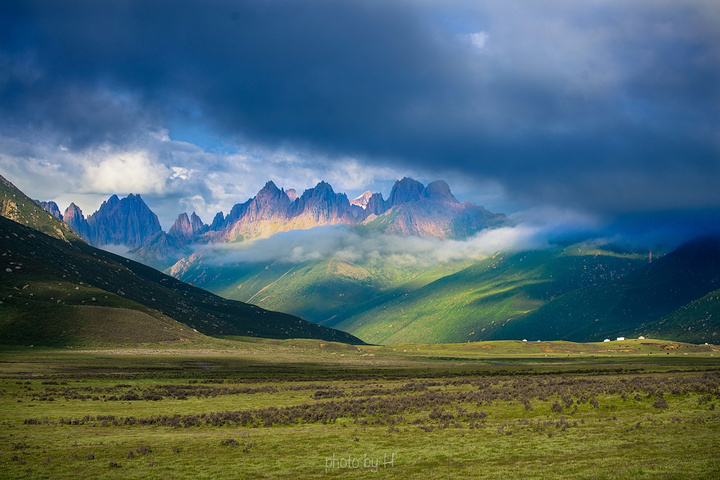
{"type": "Point", "coordinates": [56, 289]}
{"type": "Point", "coordinates": [411, 209]}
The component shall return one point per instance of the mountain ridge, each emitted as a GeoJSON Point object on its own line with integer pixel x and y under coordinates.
{"type": "Point", "coordinates": [411, 209]}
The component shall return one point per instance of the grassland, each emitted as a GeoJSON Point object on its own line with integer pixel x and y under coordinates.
{"type": "Point", "coordinates": [247, 408]}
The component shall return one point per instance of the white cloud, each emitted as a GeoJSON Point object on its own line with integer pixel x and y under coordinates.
{"type": "Point", "coordinates": [181, 173]}
{"type": "Point", "coordinates": [127, 172]}
{"type": "Point", "coordinates": [477, 39]}
{"type": "Point", "coordinates": [175, 176]}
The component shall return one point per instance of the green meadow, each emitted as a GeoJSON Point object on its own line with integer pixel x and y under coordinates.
{"type": "Point", "coordinates": [247, 408]}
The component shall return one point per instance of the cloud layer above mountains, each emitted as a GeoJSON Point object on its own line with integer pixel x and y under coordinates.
{"type": "Point", "coordinates": [609, 107]}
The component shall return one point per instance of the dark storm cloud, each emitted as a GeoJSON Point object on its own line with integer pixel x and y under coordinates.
{"type": "Point", "coordinates": [609, 106]}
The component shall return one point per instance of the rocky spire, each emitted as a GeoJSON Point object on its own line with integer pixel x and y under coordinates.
{"type": "Point", "coordinates": [187, 228]}
{"type": "Point", "coordinates": [51, 207]}
{"type": "Point", "coordinates": [75, 219]}
{"type": "Point", "coordinates": [125, 222]}
{"type": "Point", "coordinates": [439, 190]}
{"type": "Point", "coordinates": [405, 190]}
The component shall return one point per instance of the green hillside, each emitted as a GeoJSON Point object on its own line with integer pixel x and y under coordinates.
{"type": "Point", "coordinates": [42, 308]}
{"type": "Point", "coordinates": [384, 302]}
{"type": "Point", "coordinates": [698, 321]}
{"type": "Point", "coordinates": [17, 206]}
{"type": "Point", "coordinates": [635, 302]}
{"type": "Point", "coordinates": [479, 301]}
{"type": "Point", "coordinates": [32, 260]}
{"type": "Point", "coordinates": [577, 293]}
{"type": "Point", "coordinates": [320, 291]}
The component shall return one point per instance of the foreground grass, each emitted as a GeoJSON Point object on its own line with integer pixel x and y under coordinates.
{"type": "Point", "coordinates": [306, 409]}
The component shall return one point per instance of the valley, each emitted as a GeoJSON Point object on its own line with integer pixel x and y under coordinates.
{"type": "Point", "coordinates": [359, 240]}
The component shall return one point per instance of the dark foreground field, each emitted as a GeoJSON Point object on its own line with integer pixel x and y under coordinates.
{"type": "Point", "coordinates": [305, 409]}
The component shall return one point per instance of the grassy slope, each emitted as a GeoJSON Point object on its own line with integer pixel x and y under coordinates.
{"type": "Point", "coordinates": [320, 291]}
{"type": "Point", "coordinates": [41, 307]}
{"type": "Point", "coordinates": [635, 302]}
{"type": "Point", "coordinates": [477, 302]}
{"type": "Point", "coordinates": [18, 207]}
{"type": "Point", "coordinates": [698, 321]}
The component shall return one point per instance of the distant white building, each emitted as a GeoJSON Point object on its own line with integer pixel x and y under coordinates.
{"type": "Point", "coordinates": [620, 339]}
{"type": "Point", "coordinates": [606, 340]}
{"type": "Point", "coordinates": [641, 337]}
{"type": "Point", "coordinates": [524, 339]}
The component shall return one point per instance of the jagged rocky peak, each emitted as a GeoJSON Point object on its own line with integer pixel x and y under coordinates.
{"type": "Point", "coordinates": [362, 200]}
{"type": "Point", "coordinates": [439, 190]}
{"type": "Point", "coordinates": [406, 190]}
{"type": "Point", "coordinates": [110, 202]}
{"type": "Point", "coordinates": [51, 207]}
{"type": "Point", "coordinates": [181, 225]}
{"type": "Point", "coordinates": [123, 222]}
{"type": "Point", "coordinates": [321, 190]}
{"type": "Point", "coordinates": [322, 203]}
{"type": "Point", "coordinates": [270, 196]}
{"type": "Point", "coordinates": [197, 225]}
{"type": "Point", "coordinates": [73, 211]}
{"type": "Point", "coordinates": [237, 211]}
{"type": "Point", "coordinates": [218, 222]}
{"type": "Point", "coordinates": [376, 205]}
{"type": "Point", "coordinates": [187, 228]}
{"type": "Point", "coordinates": [270, 190]}
{"type": "Point", "coordinates": [292, 194]}
{"type": "Point", "coordinates": [74, 218]}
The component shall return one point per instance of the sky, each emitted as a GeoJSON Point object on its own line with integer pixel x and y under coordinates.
{"type": "Point", "coordinates": [607, 108]}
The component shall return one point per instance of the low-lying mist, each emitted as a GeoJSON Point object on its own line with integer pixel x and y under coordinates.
{"type": "Point", "coordinates": [530, 230]}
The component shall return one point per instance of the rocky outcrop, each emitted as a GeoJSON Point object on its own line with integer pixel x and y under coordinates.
{"type": "Point", "coordinates": [218, 222]}
{"type": "Point", "coordinates": [123, 222]}
{"type": "Point", "coordinates": [52, 208]}
{"type": "Point", "coordinates": [260, 216]}
{"type": "Point", "coordinates": [362, 200]}
{"type": "Point", "coordinates": [322, 206]}
{"type": "Point", "coordinates": [75, 219]}
{"type": "Point", "coordinates": [292, 194]}
{"type": "Point", "coordinates": [185, 229]}
{"type": "Point", "coordinates": [163, 249]}
{"type": "Point", "coordinates": [439, 191]}
{"type": "Point", "coordinates": [404, 191]}
{"type": "Point", "coordinates": [432, 211]}
{"type": "Point", "coordinates": [376, 205]}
